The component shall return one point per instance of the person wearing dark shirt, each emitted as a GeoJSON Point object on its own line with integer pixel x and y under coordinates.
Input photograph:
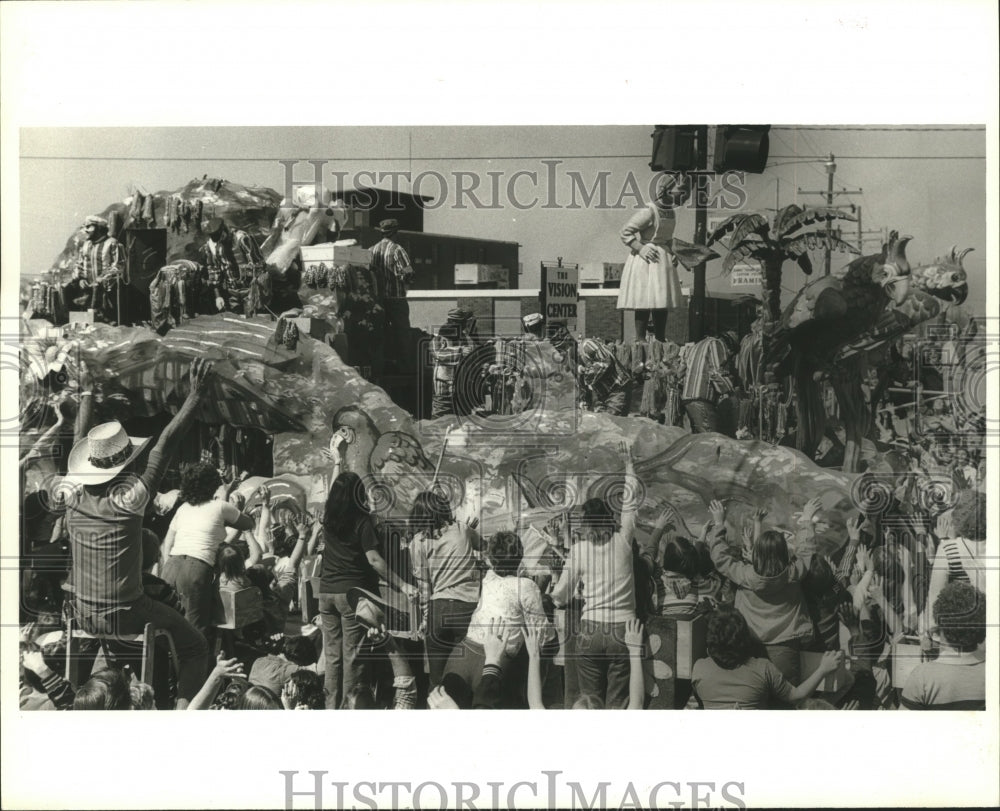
{"type": "Point", "coordinates": [351, 559]}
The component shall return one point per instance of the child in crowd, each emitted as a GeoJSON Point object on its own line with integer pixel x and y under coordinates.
{"type": "Point", "coordinates": [769, 591]}
{"type": "Point", "coordinates": [232, 568]}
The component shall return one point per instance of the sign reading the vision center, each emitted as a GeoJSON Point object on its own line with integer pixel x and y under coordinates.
{"type": "Point", "coordinates": [560, 294]}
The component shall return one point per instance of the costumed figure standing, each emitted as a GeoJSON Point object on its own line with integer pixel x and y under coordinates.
{"type": "Point", "coordinates": [452, 344]}
{"type": "Point", "coordinates": [237, 275]}
{"type": "Point", "coordinates": [649, 284]}
{"type": "Point", "coordinates": [100, 276]}
{"type": "Point", "coordinates": [390, 265]}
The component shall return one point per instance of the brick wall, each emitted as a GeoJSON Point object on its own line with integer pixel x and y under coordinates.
{"type": "Point", "coordinates": [602, 318]}
{"type": "Point", "coordinates": [530, 304]}
{"type": "Point", "coordinates": [482, 309]}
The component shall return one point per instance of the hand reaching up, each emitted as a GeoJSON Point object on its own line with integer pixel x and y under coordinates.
{"type": "Point", "coordinates": [497, 636]}
{"type": "Point", "coordinates": [854, 527]}
{"type": "Point", "coordinates": [200, 370]}
{"type": "Point", "coordinates": [810, 510]}
{"type": "Point", "coordinates": [227, 669]}
{"type": "Point", "coordinates": [718, 512]}
{"type": "Point", "coordinates": [533, 638]}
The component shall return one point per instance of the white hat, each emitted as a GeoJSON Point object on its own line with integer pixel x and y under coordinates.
{"type": "Point", "coordinates": [103, 454]}
{"type": "Point", "coordinates": [93, 219]}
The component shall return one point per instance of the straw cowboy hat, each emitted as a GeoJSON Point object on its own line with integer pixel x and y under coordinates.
{"type": "Point", "coordinates": [105, 452]}
{"type": "Point", "coordinates": [373, 610]}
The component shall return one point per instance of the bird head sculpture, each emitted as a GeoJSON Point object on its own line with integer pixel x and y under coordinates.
{"type": "Point", "coordinates": [945, 278]}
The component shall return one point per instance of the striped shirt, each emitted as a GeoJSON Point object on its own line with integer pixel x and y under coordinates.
{"type": "Point", "coordinates": [706, 373]}
{"type": "Point", "coordinates": [956, 567]}
{"type": "Point", "coordinates": [748, 363]}
{"type": "Point", "coordinates": [603, 373]}
{"type": "Point", "coordinates": [391, 267]}
{"type": "Point", "coordinates": [97, 258]}
{"type": "Point", "coordinates": [232, 263]}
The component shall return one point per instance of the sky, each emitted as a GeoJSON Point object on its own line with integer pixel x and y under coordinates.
{"type": "Point", "coordinates": [929, 184]}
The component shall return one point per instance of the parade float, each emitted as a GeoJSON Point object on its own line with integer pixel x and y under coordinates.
{"type": "Point", "coordinates": [296, 393]}
{"type": "Point", "coordinates": [278, 395]}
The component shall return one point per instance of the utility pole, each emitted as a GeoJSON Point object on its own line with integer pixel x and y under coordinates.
{"type": "Point", "coordinates": [829, 193]}
{"type": "Point", "coordinates": [831, 169]}
{"type": "Point", "coordinates": [696, 326]}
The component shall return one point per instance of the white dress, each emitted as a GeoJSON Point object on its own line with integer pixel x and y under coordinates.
{"type": "Point", "coordinates": [646, 285]}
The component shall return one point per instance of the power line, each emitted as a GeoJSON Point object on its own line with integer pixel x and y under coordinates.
{"type": "Point", "coordinates": [881, 129]}
{"type": "Point", "coordinates": [340, 159]}
{"type": "Point", "coordinates": [888, 157]}
{"type": "Point", "coordinates": [404, 158]}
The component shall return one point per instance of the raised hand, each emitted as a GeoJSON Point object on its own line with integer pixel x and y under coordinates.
{"type": "Point", "coordinates": [533, 632]}
{"type": "Point", "coordinates": [200, 370]}
{"type": "Point", "coordinates": [748, 539]}
{"type": "Point", "coordinates": [228, 669]}
{"type": "Point", "coordinates": [666, 518]}
{"type": "Point", "coordinates": [854, 527]}
{"type": "Point", "coordinates": [33, 661]}
{"type": "Point", "coordinates": [863, 560]}
{"type": "Point", "coordinates": [810, 510]}
{"type": "Point", "coordinates": [718, 512]}
{"type": "Point", "coordinates": [496, 640]}
{"type": "Point", "coordinates": [848, 615]}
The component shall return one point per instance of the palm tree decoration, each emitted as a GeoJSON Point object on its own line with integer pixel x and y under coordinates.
{"type": "Point", "coordinates": [794, 232]}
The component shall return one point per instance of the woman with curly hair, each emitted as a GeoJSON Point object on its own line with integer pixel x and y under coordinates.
{"type": "Point", "coordinates": [737, 675]}
{"type": "Point", "coordinates": [956, 680]}
{"type": "Point", "coordinates": [191, 546]}
{"type": "Point", "coordinates": [513, 600]}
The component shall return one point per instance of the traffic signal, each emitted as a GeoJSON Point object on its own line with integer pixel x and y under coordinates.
{"type": "Point", "coordinates": [741, 148]}
{"type": "Point", "coordinates": [675, 149]}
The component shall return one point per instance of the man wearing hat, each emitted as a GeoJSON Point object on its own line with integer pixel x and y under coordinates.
{"type": "Point", "coordinates": [390, 266]}
{"type": "Point", "coordinates": [534, 326]}
{"type": "Point", "coordinates": [105, 494]}
{"type": "Point", "coordinates": [100, 271]}
{"type": "Point", "coordinates": [452, 344]}
{"type": "Point", "coordinates": [236, 272]}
